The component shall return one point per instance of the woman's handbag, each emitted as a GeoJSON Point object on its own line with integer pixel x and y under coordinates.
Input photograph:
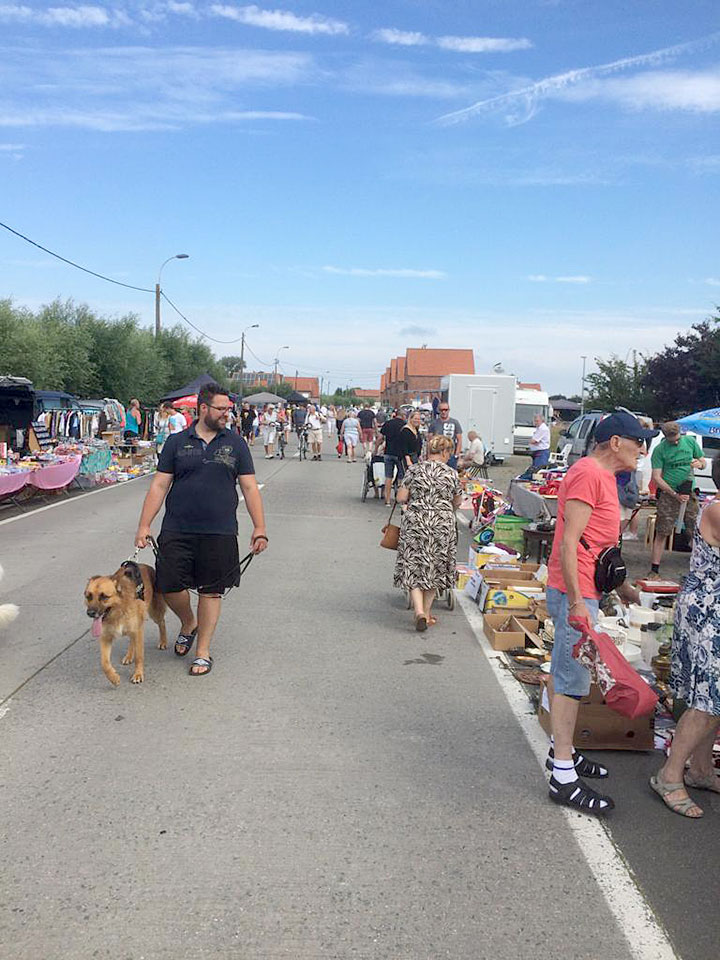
{"type": "Point", "coordinates": [340, 447]}
{"type": "Point", "coordinates": [391, 533]}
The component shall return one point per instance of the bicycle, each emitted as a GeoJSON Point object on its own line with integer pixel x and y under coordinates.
{"type": "Point", "coordinates": [303, 443]}
{"type": "Point", "coordinates": [281, 443]}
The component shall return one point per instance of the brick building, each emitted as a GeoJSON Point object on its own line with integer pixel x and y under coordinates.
{"type": "Point", "coordinates": [308, 386]}
{"type": "Point", "coordinates": [417, 375]}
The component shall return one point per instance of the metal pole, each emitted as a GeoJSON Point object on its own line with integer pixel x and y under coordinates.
{"type": "Point", "coordinates": [157, 310]}
{"type": "Point", "coordinates": [582, 393]}
{"type": "Point", "coordinates": [242, 361]}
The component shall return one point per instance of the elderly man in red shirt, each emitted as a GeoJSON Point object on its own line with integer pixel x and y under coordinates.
{"type": "Point", "coordinates": [588, 522]}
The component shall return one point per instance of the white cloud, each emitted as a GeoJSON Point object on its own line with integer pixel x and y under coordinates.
{"type": "Point", "coordinates": [484, 44]}
{"type": "Point", "coordinates": [137, 88]}
{"type": "Point", "coordinates": [401, 38]}
{"type": "Point", "coordinates": [413, 38]}
{"type": "Point", "coordinates": [403, 274]}
{"type": "Point", "coordinates": [520, 105]}
{"type": "Point", "coordinates": [76, 17]}
{"type": "Point", "coordinates": [255, 16]}
{"type": "Point", "coordinates": [712, 282]}
{"type": "Point", "coordinates": [575, 278]}
{"type": "Point", "coordinates": [11, 147]}
{"type": "Point", "coordinates": [691, 91]}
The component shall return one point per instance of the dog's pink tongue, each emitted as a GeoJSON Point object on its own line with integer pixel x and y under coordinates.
{"type": "Point", "coordinates": [96, 627]}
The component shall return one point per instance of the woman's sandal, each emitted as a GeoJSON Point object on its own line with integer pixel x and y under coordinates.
{"type": "Point", "coordinates": [186, 641]}
{"type": "Point", "coordinates": [580, 796]}
{"type": "Point", "coordinates": [421, 623]}
{"type": "Point", "coordinates": [681, 807]}
{"type": "Point", "coordinates": [201, 662]}
{"type": "Point", "coordinates": [585, 768]}
{"type": "Point", "coordinates": [711, 782]}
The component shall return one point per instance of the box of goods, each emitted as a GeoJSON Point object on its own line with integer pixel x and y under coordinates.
{"type": "Point", "coordinates": [462, 575]}
{"type": "Point", "coordinates": [505, 632]}
{"type": "Point", "coordinates": [480, 558]}
{"type": "Point", "coordinates": [600, 728]}
{"type": "Point", "coordinates": [509, 530]}
{"type": "Point", "coordinates": [124, 461]}
{"type": "Point", "coordinates": [493, 597]}
{"type": "Point", "coordinates": [495, 575]}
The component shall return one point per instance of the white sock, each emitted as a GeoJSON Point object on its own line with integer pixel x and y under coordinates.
{"type": "Point", "coordinates": [564, 771]}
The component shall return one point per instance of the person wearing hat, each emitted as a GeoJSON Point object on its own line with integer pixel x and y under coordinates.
{"type": "Point", "coordinates": [588, 522]}
{"type": "Point", "coordinates": [673, 462]}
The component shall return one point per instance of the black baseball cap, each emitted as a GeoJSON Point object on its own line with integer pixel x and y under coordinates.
{"type": "Point", "coordinates": [620, 423]}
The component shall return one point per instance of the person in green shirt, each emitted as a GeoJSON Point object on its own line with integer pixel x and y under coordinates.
{"type": "Point", "coordinates": [673, 462]}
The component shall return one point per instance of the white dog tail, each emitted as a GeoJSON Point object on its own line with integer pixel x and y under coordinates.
{"type": "Point", "coordinates": [8, 612]}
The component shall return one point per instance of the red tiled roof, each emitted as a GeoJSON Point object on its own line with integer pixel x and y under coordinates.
{"type": "Point", "coordinates": [401, 368]}
{"type": "Point", "coordinates": [366, 394]}
{"type": "Point", "coordinates": [309, 385]}
{"type": "Point", "coordinates": [382, 383]}
{"type": "Point", "coordinates": [393, 370]}
{"type": "Point", "coordinates": [529, 386]}
{"type": "Point", "coordinates": [427, 362]}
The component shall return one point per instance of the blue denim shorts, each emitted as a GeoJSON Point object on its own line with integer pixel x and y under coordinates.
{"type": "Point", "coordinates": [569, 677]}
{"type": "Point", "coordinates": [391, 465]}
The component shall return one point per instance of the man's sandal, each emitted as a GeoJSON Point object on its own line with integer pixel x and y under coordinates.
{"type": "Point", "coordinates": [584, 767]}
{"type": "Point", "coordinates": [201, 662]}
{"type": "Point", "coordinates": [186, 641]}
{"type": "Point", "coordinates": [580, 796]}
{"type": "Point", "coordinates": [681, 807]}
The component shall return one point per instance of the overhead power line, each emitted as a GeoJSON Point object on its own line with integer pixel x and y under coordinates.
{"type": "Point", "coordinates": [206, 335]}
{"type": "Point", "coordinates": [72, 263]}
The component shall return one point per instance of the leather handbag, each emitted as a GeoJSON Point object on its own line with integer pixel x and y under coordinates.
{"type": "Point", "coordinates": [391, 533]}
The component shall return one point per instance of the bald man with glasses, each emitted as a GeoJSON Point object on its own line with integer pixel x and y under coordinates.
{"type": "Point", "coordinates": [447, 426]}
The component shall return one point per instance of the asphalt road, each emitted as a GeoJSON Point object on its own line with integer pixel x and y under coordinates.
{"type": "Point", "coordinates": [338, 787]}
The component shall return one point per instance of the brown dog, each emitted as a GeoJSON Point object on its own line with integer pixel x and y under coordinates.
{"type": "Point", "coordinates": [119, 606]}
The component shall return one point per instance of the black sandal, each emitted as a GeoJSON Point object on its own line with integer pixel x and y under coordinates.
{"type": "Point", "coordinates": [580, 796]}
{"type": "Point", "coordinates": [201, 662]}
{"type": "Point", "coordinates": [186, 641]}
{"type": "Point", "coordinates": [585, 768]}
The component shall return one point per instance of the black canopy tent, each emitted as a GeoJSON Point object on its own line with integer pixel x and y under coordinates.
{"type": "Point", "coordinates": [298, 398]}
{"type": "Point", "coordinates": [17, 401]}
{"type": "Point", "coordinates": [190, 388]}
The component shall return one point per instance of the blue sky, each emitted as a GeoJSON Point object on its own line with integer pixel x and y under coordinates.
{"type": "Point", "coordinates": [536, 179]}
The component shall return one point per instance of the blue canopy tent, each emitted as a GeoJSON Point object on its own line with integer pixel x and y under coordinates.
{"type": "Point", "coordinates": [706, 422]}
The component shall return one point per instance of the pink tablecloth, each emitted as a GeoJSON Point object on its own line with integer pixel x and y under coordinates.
{"type": "Point", "coordinates": [12, 482]}
{"type": "Point", "coordinates": [55, 475]}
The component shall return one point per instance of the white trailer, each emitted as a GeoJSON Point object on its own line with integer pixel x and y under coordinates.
{"type": "Point", "coordinates": [484, 403]}
{"type": "Point", "coordinates": [527, 404]}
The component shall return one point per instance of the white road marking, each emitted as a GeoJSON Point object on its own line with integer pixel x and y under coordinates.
{"type": "Point", "coordinates": [81, 496]}
{"type": "Point", "coordinates": [646, 938]}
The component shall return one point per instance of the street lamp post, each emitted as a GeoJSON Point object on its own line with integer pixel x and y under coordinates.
{"type": "Point", "coordinates": [277, 353]}
{"type": "Point", "coordinates": [177, 256]}
{"type": "Point", "coordinates": [582, 392]}
{"type": "Point", "coordinates": [252, 326]}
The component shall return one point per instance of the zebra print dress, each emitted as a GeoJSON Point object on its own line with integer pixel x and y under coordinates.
{"type": "Point", "coordinates": [428, 531]}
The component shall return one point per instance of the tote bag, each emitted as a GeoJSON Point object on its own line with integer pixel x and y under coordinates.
{"type": "Point", "coordinates": [624, 689]}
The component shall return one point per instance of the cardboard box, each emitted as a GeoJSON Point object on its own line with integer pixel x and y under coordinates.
{"type": "Point", "coordinates": [600, 728]}
{"type": "Point", "coordinates": [493, 575]}
{"type": "Point", "coordinates": [505, 596]}
{"type": "Point", "coordinates": [462, 575]}
{"type": "Point", "coordinates": [506, 639]}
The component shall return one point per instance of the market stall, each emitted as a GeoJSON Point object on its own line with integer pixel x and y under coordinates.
{"type": "Point", "coordinates": [527, 502]}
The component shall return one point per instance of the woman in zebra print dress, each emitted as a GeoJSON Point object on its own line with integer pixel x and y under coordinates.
{"type": "Point", "coordinates": [428, 530]}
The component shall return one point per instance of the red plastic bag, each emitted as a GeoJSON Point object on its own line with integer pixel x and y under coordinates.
{"type": "Point", "coordinates": [624, 689]}
{"type": "Point", "coordinates": [340, 447]}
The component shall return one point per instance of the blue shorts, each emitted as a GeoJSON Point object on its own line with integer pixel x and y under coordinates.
{"type": "Point", "coordinates": [569, 677]}
{"type": "Point", "coordinates": [391, 465]}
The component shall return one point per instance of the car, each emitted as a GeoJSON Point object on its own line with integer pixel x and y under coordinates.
{"type": "Point", "coordinates": [577, 440]}
{"type": "Point", "coordinates": [579, 437]}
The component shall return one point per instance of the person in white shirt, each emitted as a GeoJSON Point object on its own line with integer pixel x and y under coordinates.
{"type": "Point", "coordinates": [540, 443]}
{"type": "Point", "coordinates": [269, 425]}
{"type": "Point", "coordinates": [474, 456]}
{"type": "Point", "coordinates": [314, 423]}
{"type": "Point", "coordinates": [176, 421]}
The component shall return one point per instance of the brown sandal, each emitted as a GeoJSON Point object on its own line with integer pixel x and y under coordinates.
{"type": "Point", "coordinates": [711, 782]}
{"type": "Point", "coordinates": [682, 806]}
{"type": "Point", "coordinates": [421, 623]}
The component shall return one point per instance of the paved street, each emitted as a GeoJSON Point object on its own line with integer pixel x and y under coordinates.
{"type": "Point", "coordinates": [338, 787]}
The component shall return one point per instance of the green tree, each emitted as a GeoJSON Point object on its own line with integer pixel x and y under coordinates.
{"type": "Point", "coordinates": [618, 384]}
{"type": "Point", "coordinates": [685, 377]}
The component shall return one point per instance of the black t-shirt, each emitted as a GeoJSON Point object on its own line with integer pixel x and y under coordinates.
{"type": "Point", "coordinates": [203, 497]}
{"type": "Point", "coordinates": [391, 431]}
{"type": "Point", "coordinates": [247, 417]}
{"type": "Point", "coordinates": [366, 418]}
{"type": "Point", "coordinates": [410, 444]}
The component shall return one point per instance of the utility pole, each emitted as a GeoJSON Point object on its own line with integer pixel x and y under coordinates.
{"type": "Point", "coordinates": [582, 392]}
{"type": "Point", "coordinates": [252, 326]}
{"type": "Point", "coordinates": [158, 291]}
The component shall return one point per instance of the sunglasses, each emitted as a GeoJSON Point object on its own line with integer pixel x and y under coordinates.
{"type": "Point", "coordinates": [638, 440]}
